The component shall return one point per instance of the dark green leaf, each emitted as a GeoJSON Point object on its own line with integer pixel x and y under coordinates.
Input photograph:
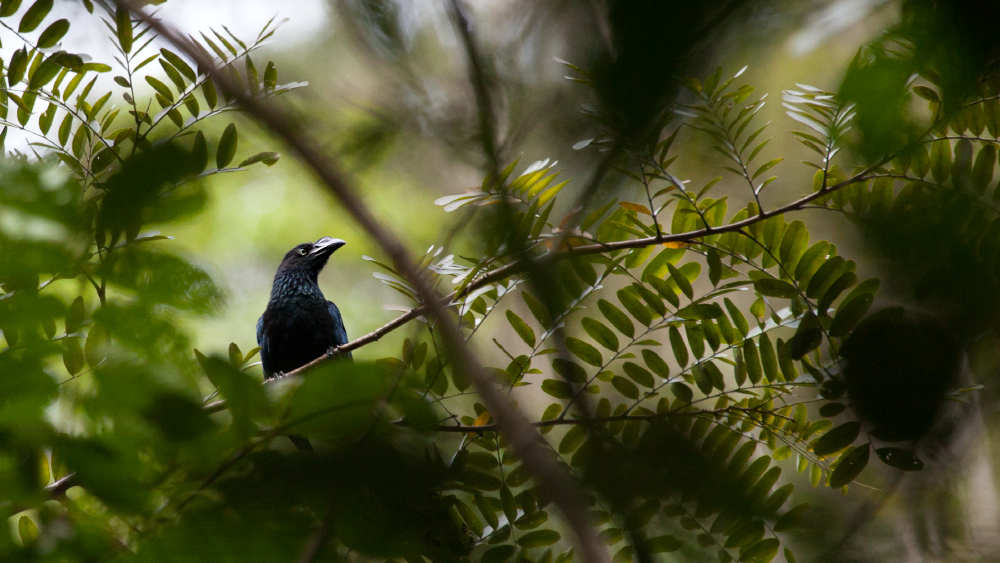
{"type": "Point", "coordinates": [34, 16]}
{"type": "Point", "coordinates": [557, 389]}
{"type": "Point", "coordinates": [849, 314]}
{"type": "Point", "coordinates": [761, 552]}
{"type": "Point", "coordinates": [600, 333]}
{"type": "Point", "coordinates": [9, 7]}
{"type": "Point", "coordinates": [617, 318]}
{"type": "Point", "coordinates": [53, 34]}
{"type": "Point", "coordinates": [788, 520]}
{"type": "Point", "coordinates": [837, 439]}
{"type": "Point", "coordinates": [656, 363]}
{"type": "Point", "coordinates": [662, 544]}
{"type": "Point", "coordinates": [269, 158]}
{"type": "Point", "coordinates": [681, 280]}
{"type": "Point", "coordinates": [678, 346]}
{"type": "Point", "coordinates": [227, 147]}
{"type": "Point", "coordinates": [772, 287]}
{"type": "Point", "coordinates": [522, 328]}
{"type": "Point", "coordinates": [900, 459]}
{"type": "Point", "coordinates": [625, 387]}
{"type": "Point", "coordinates": [123, 21]}
{"type": "Point", "coordinates": [538, 538]}
{"type": "Point", "coordinates": [850, 467]}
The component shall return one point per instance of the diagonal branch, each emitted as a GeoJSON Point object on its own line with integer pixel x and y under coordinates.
{"type": "Point", "coordinates": [526, 441]}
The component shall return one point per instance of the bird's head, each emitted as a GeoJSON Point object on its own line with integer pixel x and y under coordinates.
{"type": "Point", "coordinates": [310, 256]}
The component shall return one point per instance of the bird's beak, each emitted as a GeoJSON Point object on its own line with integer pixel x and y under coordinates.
{"type": "Point", "coordinates": [326, 245]}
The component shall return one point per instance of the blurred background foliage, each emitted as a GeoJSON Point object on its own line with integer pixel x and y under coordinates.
{"type": "Point", "coordinates": [102, 391]}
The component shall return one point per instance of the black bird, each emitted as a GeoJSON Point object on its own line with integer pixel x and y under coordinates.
{"type": "Point", "coordinates": [299, 324]}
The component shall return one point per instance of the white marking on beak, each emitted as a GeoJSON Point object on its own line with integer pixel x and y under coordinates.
{"type": "Point", "coordinates": [327, 245]}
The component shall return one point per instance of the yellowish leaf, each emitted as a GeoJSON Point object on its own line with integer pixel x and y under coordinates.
{"type": "Point", "coordinates": [635, 207]}
{"type": "Point", "coordinates": [676, 244]}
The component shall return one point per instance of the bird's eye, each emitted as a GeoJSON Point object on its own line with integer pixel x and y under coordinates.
{"type": "Point", "coordinates": [302, 251]}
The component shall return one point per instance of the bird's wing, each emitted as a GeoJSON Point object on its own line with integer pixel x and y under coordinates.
{"type": "Point", "coordinates": [339, 332]}
{"type": "Point", "coordinates": [265, 352]}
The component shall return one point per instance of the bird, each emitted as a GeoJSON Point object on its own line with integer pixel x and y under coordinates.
{"type": "Point", "coordinates": [299, 323]}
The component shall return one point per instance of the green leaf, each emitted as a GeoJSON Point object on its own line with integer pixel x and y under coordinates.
{"type": "Point", "coordinates": [662, 544]}
{"type": "Point", "coordinates": [9, 7]}
{"type": "Point", "coordinates": [738, 318]}
{"type": "Point", "coordinates": [681, 280]}
{"type": "Point", "coordinates": [752, 359]}
{"type": "Point", "coordinates": [747, 534]}
{"type": "Point", "coordinates": [557, 389]}
{"type": "Point", "coordinates": [538, 538]}
{"type": "Point", "coordinates": [617, 318]}
{"type": "Point", "coordinates": [53, 34]}
{"type": "Point", "coordinates": [664, 288]}
{"type": "Point", "coordinates": [926, 93]}
{"type": "Point", "coordinates": [34, 16]}
{"type": "Point", "coordinates": [682, 392]}
{"type": "Point", "coordinates": [269, 158]}
{"type": "Point", "coordinates": [850, 467]}
{"type": "Point", "coordinates": [765, 167]}
{"type": "Point", "coordinates": [900, 459]}
{"type": "Point", "coordinates": [825, 276]}
{"type": "Point", "coordinates": [941, 160]}
{"type": "Point", "coordinates": [179, 64]}
{"type": "Point", "coordinates": [208, 90]}
{"type": "Point", "coordinates": [625, 387]}
{"type": "Point", "coordinates": [270, 77]}
{"type": "Point", "coordinates": [772, 287]}
{"type": "Point", "coordinates": [600, 333]}
{"type": "Point", "coordinates": [584, 351]}
{"type": "Point", "coordinates": [570, 371]}
{"type": "Point", "coordinates": [18, 64]}
{"type": "Point", "coordinates": [656, 363]}
{"type": "Point", "coordinates": [714, 266]}
{"type": "Point", "coordinates": [761, 552]}
{"type": "Point", "coordinates": [635, 307]}
{"type": "Point", "coordinates": [96, 348]}
{"type": "Point", "coordinates": [509, 503]}
{"type": "Point", "coordinates": [702, 379]}
{"type": "Point", "coordinates": [982, 171]}
{"type": "Point", "coordinates": [75, 315]}
{"type": "Point", "coordinates": [539, 311]}
{"type": "Point", "coordinates": [849, 314]}
{"type": "Point", "coordinates": [521, 328]}
{"type": "Point", "coordinates": [678, 346]}
{"type": "Point", "coordinates": [768, 358]}
{"type": "Point", "coordinates": [788, 520]}
{"type": "Point", "coordinates": [486, 509]}
{"type": "Point", "coordinates": [572, 440]}
{"type": "Point", "coordinates": [162, 89]}
{"type": "Point", "coordinates": [199, 152]}
{"type": "Point", "coordinates": [44, 73]}
{"type": "Point", "coordinates": [498, 554]}
{"type": "Point", "coordinates": [639, 374]}
{"type": "Point", "coordinates": [470, 518]}
{"type": "Point", "coordinates": [28, 531]}
{"type": "Point", "coordinates": [837, 439]}
{"type": "Point", "coordinates": [123, 21]}
{"type": "Point", "coordinates": [227, 146]}
{"type": "Point", "coordinates": [793, 243]}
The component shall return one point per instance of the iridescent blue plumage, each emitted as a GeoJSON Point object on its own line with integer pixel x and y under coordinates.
{"type": "Point", "coordinates": [299, 324]}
